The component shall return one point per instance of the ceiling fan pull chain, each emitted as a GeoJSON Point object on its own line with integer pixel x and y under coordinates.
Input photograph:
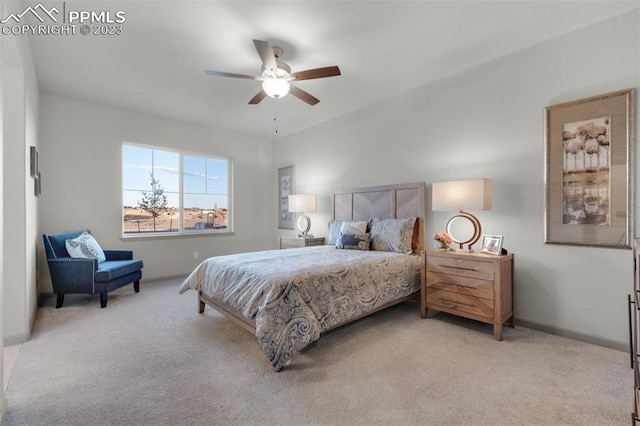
{"type": "Point", "coordinates": [275, 115]}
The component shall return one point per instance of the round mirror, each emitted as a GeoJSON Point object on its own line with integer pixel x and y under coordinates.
{"type": "Point", "coordinates": [461, 229]}
{"type": "Point", "coordinates": [464, 228]}
{"type": "Point", "coordinates": [304, 224]}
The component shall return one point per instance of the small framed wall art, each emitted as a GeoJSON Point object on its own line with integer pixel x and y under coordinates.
{"type": "Point", "coordinates": [34, 161]}
{"type": "Point", "coordinates": [37, 185]}
{"type": "Point", "coordinates": [285, 188]}
{"type": "Point", "coordinates": [34, 170]}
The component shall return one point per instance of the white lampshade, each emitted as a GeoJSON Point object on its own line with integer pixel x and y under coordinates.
{"type": "Point", "coordinates": [302, 203]}
{"type": "Point", "coordinates": [275, 87]}
{"type": "Point", "coordinates": [471, 194]}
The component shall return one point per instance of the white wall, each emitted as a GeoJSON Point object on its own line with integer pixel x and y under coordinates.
{"type": "Point", "coordinates": [20, 132]}
{"type": "Point", "coordinates": [3, 402]}
{"type": "Point", "coordinates": [488, 122]}
{"type": "Point", "coordinates": [80, 160]}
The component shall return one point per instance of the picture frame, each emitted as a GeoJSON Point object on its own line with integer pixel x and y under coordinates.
{"type": "Point", "coordinates": [491, 244]}
{"type": "Point", "coordinates": [588, 175]}
{"type": "Point", "coordinates": [34, 167]}
{"type": "Point", "coordinates": [286, 187]}
{"type": "Point", "coordinates": [37, 185]}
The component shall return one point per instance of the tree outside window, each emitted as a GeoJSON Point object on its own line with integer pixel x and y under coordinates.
{"type": "Point", "coordinates": [167, 192]}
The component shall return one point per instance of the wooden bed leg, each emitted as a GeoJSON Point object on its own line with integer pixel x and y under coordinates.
{"type": "Point", "coordinates": [201, 304]}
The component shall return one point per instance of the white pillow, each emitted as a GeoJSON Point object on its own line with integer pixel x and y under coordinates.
{"type": "Point", "coordinates": [349, 228]}
{"type": "Point", "coordinates": [360, 226]}
{"type": "Point", "coordinates": [86, 247]}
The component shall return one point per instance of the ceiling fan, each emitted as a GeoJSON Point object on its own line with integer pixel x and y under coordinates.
{"type": "Point", "coordinates": [276, 76]}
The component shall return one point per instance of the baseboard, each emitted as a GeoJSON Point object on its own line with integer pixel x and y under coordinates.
{"type": "Point", "coordinates": [170, 277]}
{"type": "Point", "coordinates": [16, 339]}
{"type": "Point", "coordinates": [42, 297]}
{"type": "Point", "coordinates": [607, 343]}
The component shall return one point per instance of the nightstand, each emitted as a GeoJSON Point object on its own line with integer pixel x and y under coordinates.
{"type": "Point", "coordinates": [472, 285]}
{"type": "Point", "coordinates": [291, 242]}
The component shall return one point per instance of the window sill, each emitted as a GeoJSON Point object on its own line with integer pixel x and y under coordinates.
{"type": "Point", "coordinates": [167, 236]}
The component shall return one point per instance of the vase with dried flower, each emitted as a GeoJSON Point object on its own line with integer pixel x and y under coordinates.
{"type": "Point", "coordinates": [443, 239]}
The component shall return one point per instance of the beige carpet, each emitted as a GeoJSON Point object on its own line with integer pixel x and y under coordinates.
{"type": "Point", "coordinates": [151, 359]}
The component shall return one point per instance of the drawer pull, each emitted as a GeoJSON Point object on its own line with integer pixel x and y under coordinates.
{"type": "Point", "coordinates": [467, 286]}
{"type": "Point", "coordinates": [464, 269]}
{"type": "Point", "coordinates": [455, 302]}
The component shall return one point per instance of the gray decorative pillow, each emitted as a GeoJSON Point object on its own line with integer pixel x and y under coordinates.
{"type": "Point", "coordinates": [334, 231]}
{"type": "Point", "coordinates": [85, 246]}
{"type": "Point", "coordinates": [353, 241]}
{"type": "Point", "coordinates": [393, 235]}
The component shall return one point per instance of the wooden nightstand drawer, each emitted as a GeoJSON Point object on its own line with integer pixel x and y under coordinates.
{"type": "Point", "coordinates": [461, 267]}
{"type": "Point", "coordinates": [460, 302]}
{"type": "Point", "coordinates": [458, 284]}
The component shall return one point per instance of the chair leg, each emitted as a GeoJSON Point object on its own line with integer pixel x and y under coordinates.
{"type": "Point", "coordinates": [103, 300]}
{"type": "Point", "coordinates": [136, 286]}
{"type": "Point", "coordinates": [60, 300]}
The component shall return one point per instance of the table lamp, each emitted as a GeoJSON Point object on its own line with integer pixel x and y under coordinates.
{"type": "Point", "coordinates": [462, 195]}
{"type": "Point", "coordinates": [303, 203]}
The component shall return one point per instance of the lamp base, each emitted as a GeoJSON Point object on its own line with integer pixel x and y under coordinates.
{"type": "Point", "coordinates": [477, 230]}
{"type": "Point", "coordinates": [464, 250]}
{"type": "Point", "coordinates": [304, 225]}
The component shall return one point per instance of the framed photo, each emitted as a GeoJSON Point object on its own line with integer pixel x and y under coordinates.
{"type": "Point", "coordinates": [37, 185]}
{"type": "Point", "coordinates": [588, 176]}
{"type": "Point", "coordinates": [285, 188]}
{"type": "Point", "coordinates": [34, 161]}
{"type": "Point", "coordinates": [491, 244]}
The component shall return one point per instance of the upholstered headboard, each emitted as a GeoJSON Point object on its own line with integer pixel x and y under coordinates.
{"type": "Point", "coordinates": [384, 202]}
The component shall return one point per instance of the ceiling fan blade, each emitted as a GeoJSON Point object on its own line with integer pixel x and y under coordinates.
{"type": "Point", "coordinates": [258, 97]}
{"type": "Point", "coordinates": [302, 95]}
{"type": "Point", "coordinates": [316, 73]}
{"type": "Point", "coordinates": [266, 54]}
{"type": "Point", "coordinates": [228, 74]}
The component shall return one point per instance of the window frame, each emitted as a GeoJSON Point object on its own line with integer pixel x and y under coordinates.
{"type": "Point", "coordinates": [181, 231]}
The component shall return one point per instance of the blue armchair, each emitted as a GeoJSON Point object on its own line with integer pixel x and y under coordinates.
{"type": "Point", "coordinates": [72, 275]}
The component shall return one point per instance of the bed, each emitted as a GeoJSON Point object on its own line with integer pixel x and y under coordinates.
{"type": "Point", "coordinates": [288, 298]}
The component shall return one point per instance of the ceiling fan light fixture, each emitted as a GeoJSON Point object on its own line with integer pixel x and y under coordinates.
{"type": "Point", "coordinates": [276, 87]}
{"type": "Point", "coordinates": [275, 76]}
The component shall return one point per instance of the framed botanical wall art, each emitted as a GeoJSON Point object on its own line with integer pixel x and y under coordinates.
{"type": "Point", "coordinates": [588, 171]}
{"type": "Point", "coordinates": [285, 188]}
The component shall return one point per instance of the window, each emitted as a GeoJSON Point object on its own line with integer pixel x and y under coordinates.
{"type": "Point", "coordinates": [174, 193]}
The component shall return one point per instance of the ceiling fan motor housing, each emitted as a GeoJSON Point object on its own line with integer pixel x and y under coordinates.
{"type": "Point", "coordinates": [283, 71]}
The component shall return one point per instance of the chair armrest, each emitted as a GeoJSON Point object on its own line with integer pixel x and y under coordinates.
{"type": "Point", "coordinates": [68, 273]}
{"type": "Point", "coordinates": [118, 254]}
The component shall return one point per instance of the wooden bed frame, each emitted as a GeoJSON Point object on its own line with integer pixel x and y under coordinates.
{"type": "Point", "coordinates": [384, 202]}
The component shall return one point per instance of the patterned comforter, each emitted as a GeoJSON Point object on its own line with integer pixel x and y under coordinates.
{"type": "Point", "coordinates": [296, 294]}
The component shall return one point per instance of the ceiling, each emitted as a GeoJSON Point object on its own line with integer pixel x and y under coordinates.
{"type": "Point", "coordinates": [383, 48]}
